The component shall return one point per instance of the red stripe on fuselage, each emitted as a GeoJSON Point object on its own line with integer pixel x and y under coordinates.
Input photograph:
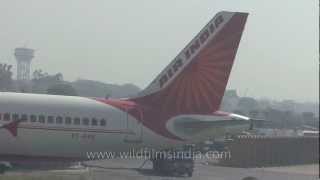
{"type": "Point", "coordinates": [115, 131]}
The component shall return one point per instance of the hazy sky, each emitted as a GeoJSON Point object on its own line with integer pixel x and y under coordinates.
{"type": "Point", "coordinates": [119, 41]}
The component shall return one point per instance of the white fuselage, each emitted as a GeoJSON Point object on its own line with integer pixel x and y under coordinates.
{"type": "Point", "coordinates": [68, 127]}
{"type": "Point", "coordinates": [55, 136]}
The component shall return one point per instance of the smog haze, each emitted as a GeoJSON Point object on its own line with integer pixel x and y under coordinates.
{"type": "Point", "coordinates": [132, 41]}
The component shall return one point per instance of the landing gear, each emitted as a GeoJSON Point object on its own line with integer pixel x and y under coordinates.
{"type": "Point", "coordinates": [179, 165]}
{"type": "Point", "coordinates": [173, 167]}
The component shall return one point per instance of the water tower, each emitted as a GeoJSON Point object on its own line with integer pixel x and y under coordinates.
{"type": "Point", "coordinates": [23, 57]}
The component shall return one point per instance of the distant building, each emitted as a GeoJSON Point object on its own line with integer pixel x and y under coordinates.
{"type": "Point", "coordinates": [230, 100]}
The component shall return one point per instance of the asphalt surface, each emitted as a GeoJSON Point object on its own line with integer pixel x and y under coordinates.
{"type": "Point", "coordinates": [130, 170]}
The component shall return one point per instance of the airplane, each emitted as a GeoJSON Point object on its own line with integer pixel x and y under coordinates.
{"type": "Point", "coordinates": [172, 111]}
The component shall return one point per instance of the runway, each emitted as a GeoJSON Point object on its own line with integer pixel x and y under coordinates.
{"type": "Point", "coordinates": [118, 169]}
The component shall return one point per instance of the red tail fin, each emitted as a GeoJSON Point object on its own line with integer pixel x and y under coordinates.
{"type": "Point", "coordinates": [195, 81]}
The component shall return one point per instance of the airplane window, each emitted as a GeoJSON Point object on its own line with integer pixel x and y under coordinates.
{"type": "Point", "coordinates": [6, 117]}
{"type": "Point", "coordinates": [85, 121]}
{"type": "Point", "coordinates": [59, 120]}
{"type": "Point", "coordinates": [103, 122]}
{"type": "Point", "coordinates": [15, 117]}
{"type": "Point", "coordinates": [33, 118]}
{"type": "Point", "coordinates": [76, 121]}
{"type": "Point", "coordinates": [94, 122]}
{"type": "Point", "coordinates": [42, 119]}
{"type": "Point", "coordinates": [68, 120]}
{"type": "Point", "coordinates": [24, 117]}
{"type": "Point", "coordinates": [50, 119]}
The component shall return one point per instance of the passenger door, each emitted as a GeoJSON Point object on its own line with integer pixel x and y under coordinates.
{"type": "Point", "coordinates": [135, 129]}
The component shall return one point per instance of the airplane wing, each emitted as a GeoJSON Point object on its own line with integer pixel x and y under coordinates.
{"type": "Point", "coordinates": [200, 127]}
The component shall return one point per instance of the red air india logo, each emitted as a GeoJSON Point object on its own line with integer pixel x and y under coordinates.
{"type": "Point", "coordinates": [191, 50]}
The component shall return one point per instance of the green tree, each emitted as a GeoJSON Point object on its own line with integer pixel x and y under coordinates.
{"type": "Point", "coordinates": [62, 89]}
{"type": "Point", "coordinates": [5, 77]}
